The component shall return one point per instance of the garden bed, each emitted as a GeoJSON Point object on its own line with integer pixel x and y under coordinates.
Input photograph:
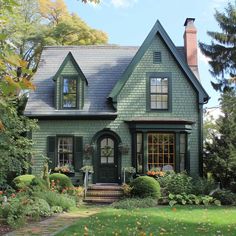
{"type": "Point", "coordinates": [4, 228]}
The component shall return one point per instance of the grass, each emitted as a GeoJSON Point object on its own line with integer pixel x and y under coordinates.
{"type": "Point", "coordinates": [164, 220]}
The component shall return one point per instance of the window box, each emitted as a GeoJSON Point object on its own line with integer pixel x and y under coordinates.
{"type": "Point", "coordinates": [66, 170]}
{"type": "Point", "coordinates": [69, 174]}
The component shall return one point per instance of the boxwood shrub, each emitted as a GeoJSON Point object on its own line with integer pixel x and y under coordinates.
{"type": "Point", "coordinates": [145, 186]}
{"type": "Point", "coordinates": [22, 181]}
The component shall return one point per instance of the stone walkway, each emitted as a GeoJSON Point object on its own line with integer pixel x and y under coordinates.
{"type": "Point", "coordinates": [53, 225]}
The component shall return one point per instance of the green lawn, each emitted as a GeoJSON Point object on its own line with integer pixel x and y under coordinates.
{"type": "Point", "coordinates": [180, 220]}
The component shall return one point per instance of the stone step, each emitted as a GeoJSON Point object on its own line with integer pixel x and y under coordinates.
{"type": "Point", "coordinates": [103, 193]}
{"type": "Point", "coordinates": [105, 187]}
{"type": "Point", "coordinates": [106, 193]}
{"type": "Point", "coordinates": [101, 199]}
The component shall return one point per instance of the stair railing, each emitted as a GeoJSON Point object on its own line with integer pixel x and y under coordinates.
{"type": "Point", "coordinates": [85, 183]}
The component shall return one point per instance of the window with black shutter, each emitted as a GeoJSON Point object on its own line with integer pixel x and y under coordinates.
{"type": "Point", "coordinates": [65, 151]}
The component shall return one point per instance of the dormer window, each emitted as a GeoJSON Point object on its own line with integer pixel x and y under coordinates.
{"type": "Point", "coordinates": [70, 85]}
{"type": "Point", "coordinates": [69, 96]}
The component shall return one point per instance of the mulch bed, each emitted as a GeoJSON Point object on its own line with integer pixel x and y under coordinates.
{"type": "Point", "coordinates": [4, 228]}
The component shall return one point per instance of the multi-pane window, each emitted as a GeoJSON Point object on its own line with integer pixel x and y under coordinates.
{"type": "Point", "coordinates": [159, 93]}
{"type": "Point", "coordinates": [65, 151]}
{"type": "Point", "coordinates": [69, 96]}
{"type": "Point", "coordinates": [182, 148]}
{"type": "Point", "coordinates": [107, 151]}
{"type": "Point", "coordinates": [161, 150]}
{"type": "Point", "coordinates": [139, 153]}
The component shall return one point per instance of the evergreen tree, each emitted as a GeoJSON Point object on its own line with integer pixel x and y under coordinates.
{"type": "Point", "coordinates": [222, 50]}
{"type": "Point", "coordinates": [220, 150]}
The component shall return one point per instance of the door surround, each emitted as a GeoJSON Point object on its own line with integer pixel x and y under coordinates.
{"type": "Point", "coordinates": [117, 140]}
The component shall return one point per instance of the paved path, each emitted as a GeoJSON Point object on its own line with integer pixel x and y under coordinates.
{"type": "Point", "coordinates": [53, 225]}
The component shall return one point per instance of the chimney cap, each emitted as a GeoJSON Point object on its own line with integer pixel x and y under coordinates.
{"type": "Point", "coordinates": [188, 20]}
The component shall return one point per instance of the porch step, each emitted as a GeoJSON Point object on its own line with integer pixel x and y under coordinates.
{"type": "Point", "coordinates": [103, 193]}
{"type": "Point", "coordinates": [107, 193]}
{"type": "Point", "coordinates": [95, 200]}
{"type": "Point", "coordinates": [105, 187]}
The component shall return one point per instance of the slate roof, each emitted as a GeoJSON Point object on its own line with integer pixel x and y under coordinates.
{"type": "Point", "coordinates": [101, 65]}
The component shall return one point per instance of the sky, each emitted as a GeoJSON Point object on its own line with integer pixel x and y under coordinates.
{"type": "Point", "coordinates": [128, 22]}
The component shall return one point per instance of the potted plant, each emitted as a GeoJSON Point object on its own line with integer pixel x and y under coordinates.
{"type": "Point", "coordinates": [131, 171]}
{"type": "Point", "coordinates": [89, 169]}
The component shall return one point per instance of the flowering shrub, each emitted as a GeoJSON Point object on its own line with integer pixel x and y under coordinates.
{"type": "Point", "coordinates": [14, 212]}
{"type": "Point", "coordinates": [127, 189]}
{"type": "Point", "coordinates": [156, 173]}
{"type": "Point", "coordinates": [33, 202]}
{"type": "Point", "coordinates": [176, 183]}
{"type": "Point", "coordinates": [76, 192]}
{"type": "Point", "coordinates": [38, 207]}
{"type": "Point", "coordinates": [60, 182]}
{"type": "Point", "coordinates": [57, 199]}
{"type": "Point", "coordinates": [64, 169]}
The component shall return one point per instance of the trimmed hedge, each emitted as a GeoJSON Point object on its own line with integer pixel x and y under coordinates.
{"type": "Point", "coordinates": [23, 181]}
{"type": "Point", "coordinates": [29, 181]}
{"type": "Point", "coordinates": [145, 186]}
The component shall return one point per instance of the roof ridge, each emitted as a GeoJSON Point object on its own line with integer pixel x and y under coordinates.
{"type": "Point", "coordinates": [89, 46]}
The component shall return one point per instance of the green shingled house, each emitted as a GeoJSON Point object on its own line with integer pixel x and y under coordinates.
{"type": "Point", "coordinates": [120, 106]}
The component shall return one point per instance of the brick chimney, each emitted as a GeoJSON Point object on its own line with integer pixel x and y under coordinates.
{"type": "Point", "coordinates": [190, 45]}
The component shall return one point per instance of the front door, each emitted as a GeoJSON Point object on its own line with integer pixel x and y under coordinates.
{"type": "Point", "coordinates": [107, 171]}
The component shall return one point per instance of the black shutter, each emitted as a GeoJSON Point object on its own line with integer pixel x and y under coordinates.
{"type": "Point", "coordinates": [78, 153]}
{"type": "Point", "coordinates": [51, 147]}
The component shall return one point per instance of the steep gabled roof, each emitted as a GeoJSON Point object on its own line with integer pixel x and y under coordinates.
{"type": "Point", "coordinates": [158, 29]}
{"type": "Point", "coordinates": [102, 66]}
{"type": "Point", "coordinates": [68, 58]}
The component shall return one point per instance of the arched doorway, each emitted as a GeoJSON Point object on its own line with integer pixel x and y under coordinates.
{"type": "Point", "coordinates": [107, 157]}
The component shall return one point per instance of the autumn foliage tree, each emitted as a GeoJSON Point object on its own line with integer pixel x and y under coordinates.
{"type": "Point", "coordinates": [33, 24]}
{"type": "Point", "coordinates": [15, 147]}
{"type": "Point", "coordinates": [23, 33]}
